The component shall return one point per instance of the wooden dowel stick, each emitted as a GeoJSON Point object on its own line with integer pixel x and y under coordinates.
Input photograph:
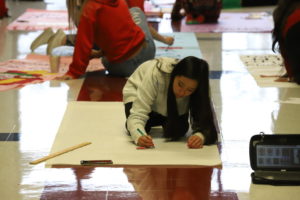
{"type": "Point", "coordinates": [59, 153]}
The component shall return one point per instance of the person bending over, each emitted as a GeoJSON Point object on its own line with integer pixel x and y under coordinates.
{"type": "Point", "coordinates": [173, 94]}
{"type": "Point", "coordinates": [121, 34]}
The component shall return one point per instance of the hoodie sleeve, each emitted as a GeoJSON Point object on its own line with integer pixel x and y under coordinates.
{"type": "Point", "coordinates": [208, 134]}
{"type": "Point", "coordinates": [83, 46]}
{"type": "Point", "coordinates": [208, 129]}
{"type": "Point", "coordinates": [139, 113]}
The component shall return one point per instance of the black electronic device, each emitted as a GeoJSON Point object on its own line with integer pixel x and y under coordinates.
{"type": "Point", "coordinates": [275, 159]}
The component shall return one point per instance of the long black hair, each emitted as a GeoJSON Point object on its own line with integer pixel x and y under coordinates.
{"type": "Point", "coordinates": [200, 107]}
{"type": "Point", "coordinates": [281, 12]}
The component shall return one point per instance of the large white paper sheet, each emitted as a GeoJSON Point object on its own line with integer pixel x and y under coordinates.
{"type": "Point", "coordinates": [291, 100]}
{"type": "Point", "coordinates": [103, 124]}
{"type": "Point", "coordinates": [270, 66]}
{"type": "Point", "coordinates": [185, 44]}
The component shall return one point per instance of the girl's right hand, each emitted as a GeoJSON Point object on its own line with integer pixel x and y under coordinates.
{"type": "Point", "coordinates": [145, 141]}
{"type": "Point", "coordinates": [169, 40]}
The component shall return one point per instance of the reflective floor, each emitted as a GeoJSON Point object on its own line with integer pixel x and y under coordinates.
{"type": "Point", "coordinates": [30, 117]}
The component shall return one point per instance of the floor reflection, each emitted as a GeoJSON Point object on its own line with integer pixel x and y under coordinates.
{"type": "Point", "coordinates": [171, 183]}
{"type": "Point", "coordinates": [157, 183]}
{"type": "Point", "coordinates": [99, 87]}
{"type": "Point", "coordinates": [134, 183]}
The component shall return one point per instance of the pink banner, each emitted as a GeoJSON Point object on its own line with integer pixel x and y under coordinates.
{"type": "Point", "coordinates": [39, 19]}
{"type": "Point", "coordinates": [234, 22]}
{"type": "Point", "coordinates": [35, 69]}
{"type": "Point", "coordinates": [36, 19]}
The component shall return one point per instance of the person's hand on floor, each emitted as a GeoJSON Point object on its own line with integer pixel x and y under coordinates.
{"type": "Point", "coordinates": [195, 142]}
{"type": "Point", "coordinates": [169, 40]}
{"type": "Point", "coordinates": [64, 77]}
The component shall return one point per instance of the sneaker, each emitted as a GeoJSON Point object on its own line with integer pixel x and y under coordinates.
{"type": "Point", "coordinates": [42, 39]}
{"type": "Point", "coordinates": [58, 39]}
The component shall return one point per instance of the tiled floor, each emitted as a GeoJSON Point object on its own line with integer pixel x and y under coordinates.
{"type": "Point", "coordinates": [30, 117]}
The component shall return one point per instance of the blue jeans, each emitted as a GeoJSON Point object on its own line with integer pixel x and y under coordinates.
{"type": "Point", "coordinates": [126, 68]}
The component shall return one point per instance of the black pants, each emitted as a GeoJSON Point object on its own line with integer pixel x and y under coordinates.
{"type": "Point", "coordinates": [156, 119]}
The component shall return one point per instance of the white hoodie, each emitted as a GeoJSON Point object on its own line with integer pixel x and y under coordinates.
{"type": "Point", "coordinates": [147, 88]}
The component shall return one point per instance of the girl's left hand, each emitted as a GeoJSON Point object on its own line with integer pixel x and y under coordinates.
{"type": "Point", "coordinates": [195, 142]}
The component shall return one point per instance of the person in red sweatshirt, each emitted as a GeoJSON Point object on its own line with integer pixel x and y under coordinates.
{"type": "Point", "coordinates": [122, 35]}
{"type": "Point", "coordinates": [3, 9]}
{"type": "Point", "coordinates": [136, 3]}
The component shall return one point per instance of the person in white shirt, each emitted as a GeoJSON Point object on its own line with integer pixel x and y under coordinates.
{"type": "Point", "coordinates": [173, 94]}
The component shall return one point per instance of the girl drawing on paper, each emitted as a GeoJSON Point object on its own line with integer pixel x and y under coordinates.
{"type": "Point", "coordinates": [173, 94]}
{"type": "Point", "coordinates": [286, 34]}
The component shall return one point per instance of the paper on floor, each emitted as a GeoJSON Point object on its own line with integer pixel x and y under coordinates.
{"type": "Point", "coordinates": [103, 124]}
